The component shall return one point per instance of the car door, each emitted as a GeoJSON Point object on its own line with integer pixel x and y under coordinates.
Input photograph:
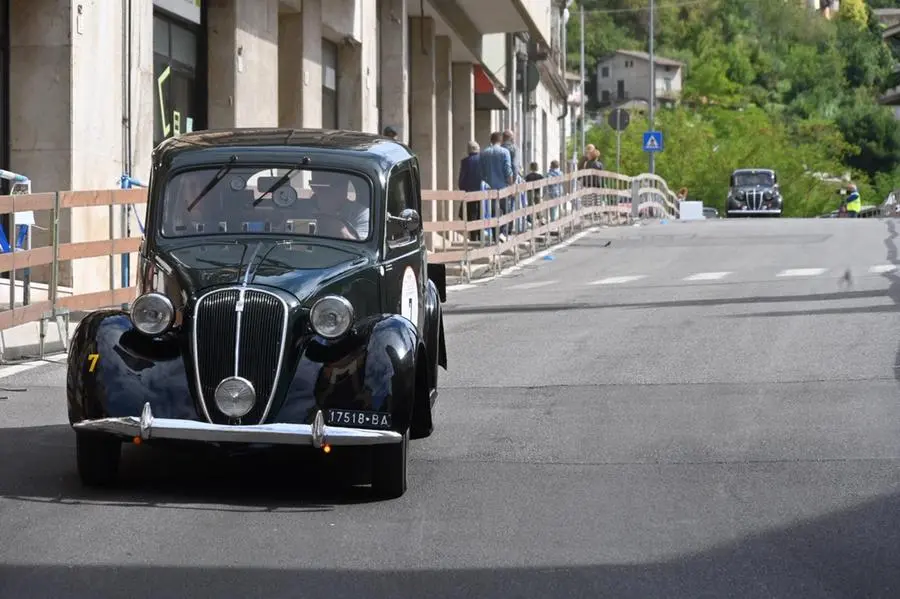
{"type": "Point", "coordinates": [405, 268]}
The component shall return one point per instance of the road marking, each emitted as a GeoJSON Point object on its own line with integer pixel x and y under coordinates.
{"type": "Point", "coordinates": [615, 280]}
{"type": "Point", "coordinates": [882, 268]}
{"type": "Point", "coordinates": [707, 276]}
{"type": "Point", "coordinates": [801, 272]}
{"type": "Point", "coordinates": [534, 285]}
{"type": "Point", "coordinates": [13, 369]}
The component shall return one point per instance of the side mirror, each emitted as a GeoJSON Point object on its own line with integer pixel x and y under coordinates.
{"type": "Point", "coordinates": [408, 219]}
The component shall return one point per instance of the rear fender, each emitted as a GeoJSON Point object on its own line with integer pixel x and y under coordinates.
{"type": "Point", "coordinates": [113, 369]}
{"type": "Point", "coordinates": [434, 333]}
{"type": "Point", "coordinates": [437, 274]}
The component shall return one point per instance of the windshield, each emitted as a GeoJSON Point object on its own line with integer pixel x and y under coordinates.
{"type": "Point", "coordinates": [753, 179]}
{"type": "Point", "coordinates": [331, 204]}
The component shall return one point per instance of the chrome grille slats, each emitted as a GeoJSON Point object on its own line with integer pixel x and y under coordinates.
{"type": "Point", "coordinates": [258, 344]}
{"type": "Point", "coordinates": [261, 346]}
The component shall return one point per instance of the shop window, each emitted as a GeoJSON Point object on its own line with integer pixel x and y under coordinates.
{"type": "Point", "coordinates": [176, 101]}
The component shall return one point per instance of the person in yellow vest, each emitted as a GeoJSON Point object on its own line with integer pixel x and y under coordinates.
{"type": "Point", "coordinates": [853, 202]}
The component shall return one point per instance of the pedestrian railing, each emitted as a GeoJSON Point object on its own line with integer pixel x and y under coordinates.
{"type": "Point", "coordinates": [567, 203]}
{"type": "Point", "coordinates": [562, 205]}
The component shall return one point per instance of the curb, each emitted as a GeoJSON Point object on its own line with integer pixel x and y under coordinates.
{"type": "Point", "coordinates": [19, 353]}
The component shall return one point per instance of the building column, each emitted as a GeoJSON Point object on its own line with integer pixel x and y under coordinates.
{"type": "Point", "coordinates": [243, 63]}
{"type": "Point", "coordinates": [443, 112]}
{"type": "Point", "coordinates": [463, 113]}
{"type": "Point", "coordinates": [484, 126]}
{"type": "Point", "coordinates": [394, 68]}
{"type": "Point", "coordinates": [300, 81]}
{"type": "Point", "coordinates": [422, 129]}
{"type": "Point", "coordinates": [352, 96]}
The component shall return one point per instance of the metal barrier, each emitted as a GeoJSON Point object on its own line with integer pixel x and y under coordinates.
{"type": "Point", "coordinates": [566, 204]}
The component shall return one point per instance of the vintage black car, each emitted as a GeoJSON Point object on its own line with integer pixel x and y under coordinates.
{"type": "Point", "coordinates": [754, 192]}
{"type": "Point", "coordinates": [284, 298]}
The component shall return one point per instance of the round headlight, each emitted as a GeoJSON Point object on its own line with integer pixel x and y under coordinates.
{"type": "Point", "coordinates": [152, 313]}
{"type": "Point", "coordinates": [235, 396]}
{"type": "Point", "coordinates": [331, 316]}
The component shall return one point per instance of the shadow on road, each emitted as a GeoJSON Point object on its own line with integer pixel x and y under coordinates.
{"type": "Point", "coordinates": [38, 465]}
{"type": "Point", "coordinates": [849, 554]}
{"type": "Point", "coordinates": [709, 302]}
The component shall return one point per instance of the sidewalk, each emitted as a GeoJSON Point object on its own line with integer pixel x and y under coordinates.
{"type": "Point", "coordinates": [23, 342]}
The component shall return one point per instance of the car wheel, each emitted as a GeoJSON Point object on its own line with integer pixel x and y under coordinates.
{"type": "Point", "coordinates": [389, 469]}
{"type": "Point", "coordinates": [98, 458]}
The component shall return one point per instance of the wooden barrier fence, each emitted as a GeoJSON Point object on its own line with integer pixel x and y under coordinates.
{"type": "Point", "coordinates": [613, 199]}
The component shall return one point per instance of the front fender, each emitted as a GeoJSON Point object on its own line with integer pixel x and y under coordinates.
{"type": "Point", "coordinates": [113, 369]}
{"type": "Point", "coordinates": [372, 369]}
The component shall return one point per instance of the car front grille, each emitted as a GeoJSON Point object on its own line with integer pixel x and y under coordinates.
{"type": "Point", "coordinates": [258, 344]}
{"type": "Point", "coordinates": [755, 199]}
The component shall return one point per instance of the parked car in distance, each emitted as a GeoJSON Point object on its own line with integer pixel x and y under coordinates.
{"type": "Point", "coordinates": [285, 297]}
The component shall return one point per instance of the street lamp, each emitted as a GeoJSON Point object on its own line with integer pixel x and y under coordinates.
{"type": "Point", "coordinates": [652, 85]}
{"type": "Point", "coordinates": [583, 84]}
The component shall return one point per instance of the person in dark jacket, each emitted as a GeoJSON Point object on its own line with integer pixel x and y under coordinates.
{"type": "Point", "coordinates": [534, 195]}
{"type": "Point", "coordinates": [470, 180]}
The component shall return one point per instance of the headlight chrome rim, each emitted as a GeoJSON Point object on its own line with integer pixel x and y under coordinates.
{"type": "Point", "coordinates": [164, 324]}
{"type": "Point", "coordinates": [235, 402]}
{"type": "Point", "coordinates": [322, 304]}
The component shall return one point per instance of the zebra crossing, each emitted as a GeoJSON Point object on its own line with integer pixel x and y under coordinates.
{"type": "Point", "coordinates": [707, 277]}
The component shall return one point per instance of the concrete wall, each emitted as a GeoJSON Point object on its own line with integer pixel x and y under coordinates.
{"type": "Point", "coordinates": [65, 135]}
{"type": "Point", "coordinates": [540, 11]}
{"type": "Point", "coordinates": [493, 53]}
{"type": "Point", "coordinates": [41, 105]}
{"type": "Point", "coordinates": [243, 63]}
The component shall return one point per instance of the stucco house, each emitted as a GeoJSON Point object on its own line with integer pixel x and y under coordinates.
{"type": "Point", "coordinates": [623, 78]}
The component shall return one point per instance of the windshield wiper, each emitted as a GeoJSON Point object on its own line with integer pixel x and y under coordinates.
{"type": "Point", "coordinates": [220, 174]}
{"type": "Point", "coordinates": [284, 179]}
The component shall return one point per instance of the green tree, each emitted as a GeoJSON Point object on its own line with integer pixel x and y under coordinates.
{"type": "Point", "coordinates": [855, 11]}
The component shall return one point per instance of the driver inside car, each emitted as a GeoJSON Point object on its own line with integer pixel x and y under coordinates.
{"type": "Point", "coordinates": [335, 213]}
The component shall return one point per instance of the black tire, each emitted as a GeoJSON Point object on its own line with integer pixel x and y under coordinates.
{"type": "Point", "coordinates": [98, 458]}
{"type": "Point", "coordinates": [390, 469]}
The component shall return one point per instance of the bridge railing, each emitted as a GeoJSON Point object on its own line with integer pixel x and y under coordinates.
{"type": "Point", "coordinates": [567, 203]}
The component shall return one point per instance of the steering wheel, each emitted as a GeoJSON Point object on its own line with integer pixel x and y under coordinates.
{"type": "Point", "coordinates": [340, 220]}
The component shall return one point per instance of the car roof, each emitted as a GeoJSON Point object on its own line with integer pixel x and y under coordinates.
{"type": "Point", "coordinates": [356, 143]}
{"type": "Point", "coordinates": [753, 170]}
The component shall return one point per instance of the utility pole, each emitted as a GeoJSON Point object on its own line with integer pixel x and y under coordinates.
{"type": "Point", "coordinates": [583, 79]}
{"type": "Point", "coordinates": [652, 86]}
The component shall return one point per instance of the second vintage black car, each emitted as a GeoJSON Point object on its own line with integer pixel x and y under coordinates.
{"type": "Point", "coordinates": [754, 192]}
{"type": "Point", "coordinates": [285, 298]}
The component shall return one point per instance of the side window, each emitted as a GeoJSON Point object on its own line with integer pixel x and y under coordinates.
{"type": "Point", "coordinates": [400, 197]}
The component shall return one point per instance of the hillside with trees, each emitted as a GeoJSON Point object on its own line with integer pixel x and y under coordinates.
{"type": "Point", "coordinates": [768, 83]}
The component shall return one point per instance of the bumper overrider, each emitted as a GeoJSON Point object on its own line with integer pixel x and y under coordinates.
{"type": "Point", "coordinates": [317, 434]}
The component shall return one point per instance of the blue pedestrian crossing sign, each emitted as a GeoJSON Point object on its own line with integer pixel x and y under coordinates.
{"type": "Point", "coordinates": [653, 141]}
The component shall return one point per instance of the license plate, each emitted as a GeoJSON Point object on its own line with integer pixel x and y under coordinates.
{"type": "Point", "coordinates": [358, 418]}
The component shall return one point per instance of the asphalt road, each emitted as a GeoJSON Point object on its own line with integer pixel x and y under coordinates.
{"type": "Point", "coordinates": [606, 429]}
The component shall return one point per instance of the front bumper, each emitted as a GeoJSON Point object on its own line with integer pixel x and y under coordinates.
{"type": "Point", "coordinates": [316, 434]}
{"type": "Point", "coordinates": [772, 212]}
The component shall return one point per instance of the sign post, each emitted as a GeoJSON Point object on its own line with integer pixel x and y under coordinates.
{"type": "Point", "coordinates": [618, 120]}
